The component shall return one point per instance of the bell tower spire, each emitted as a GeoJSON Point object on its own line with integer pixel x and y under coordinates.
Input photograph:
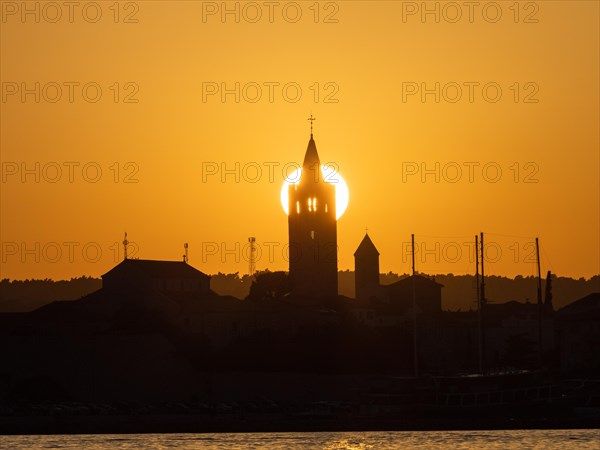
{"type": "Point", "coordinates": [312, 230]}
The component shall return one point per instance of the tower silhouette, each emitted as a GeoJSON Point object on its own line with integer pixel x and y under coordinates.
{"type": "Point", "coordinates": [366, 269]}
{"type": "Point", "coordinates": [312, 231]}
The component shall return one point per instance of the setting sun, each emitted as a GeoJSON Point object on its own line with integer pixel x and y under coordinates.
{"type": "Point", "coordinates": [152, 293]}
{"type": "Point", "coordinates": [330, 175]}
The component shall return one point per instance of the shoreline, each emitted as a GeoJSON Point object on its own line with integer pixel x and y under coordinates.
{"type": "Point", "coordinates": [194, 423]}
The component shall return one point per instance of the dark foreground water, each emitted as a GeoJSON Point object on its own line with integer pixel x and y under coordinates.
{"type": "Point", "coordinates": [511, 439]}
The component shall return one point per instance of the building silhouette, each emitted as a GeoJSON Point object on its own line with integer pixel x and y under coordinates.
{"type": "Point", "coordinates": [366, 269]}
{"type": "Point", "coordinates": [397, 295]}
{"type": "Point", "coordinates": [312, 231]}
{"type": "Point", "coordinates": [161, 276]}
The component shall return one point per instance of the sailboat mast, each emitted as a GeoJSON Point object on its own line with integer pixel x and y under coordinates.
{"type": "Point", "coordinates": [482, 303]}
{"type": "Point", "coordinates": [539, 302]}
{"type": "Point", "coordinates": [482, 289]}
{"type": "Point", "coordinates": [479, 324]}
{"type": "Point", "coordinates": [414, 307]}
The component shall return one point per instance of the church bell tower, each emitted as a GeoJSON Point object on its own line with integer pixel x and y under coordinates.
{"type": "Point", "coordinates": [312, 231]}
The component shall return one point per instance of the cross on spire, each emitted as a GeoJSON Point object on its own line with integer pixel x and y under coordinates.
{"type": "Point", "coordinates": [311, 119]}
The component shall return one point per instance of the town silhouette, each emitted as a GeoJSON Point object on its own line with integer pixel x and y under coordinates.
{"type": "Point", "coordinates": [154, 348]}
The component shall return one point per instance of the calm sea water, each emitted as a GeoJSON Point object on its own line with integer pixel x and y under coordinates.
{"type": "Point", "coordinates": [513, 439]}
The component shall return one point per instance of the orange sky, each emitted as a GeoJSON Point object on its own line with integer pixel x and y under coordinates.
{"type": "Point", "coordinates": [545, 142]}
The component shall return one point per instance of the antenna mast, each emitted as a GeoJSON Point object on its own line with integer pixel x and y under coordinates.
{"type": "Point", "coordinates": [252, 259]}
{"type": "Point", "coordinates": [185, 253]}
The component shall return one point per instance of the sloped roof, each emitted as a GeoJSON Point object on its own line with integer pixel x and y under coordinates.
{"type": "Point", "coordinates": [586, 305]}
{"type": "Point", "coordinates": [418, 279]}
{"type": "Point", "coordinates": [366, 247]}
{"type": "Point", "coordinates": [311, 158]}
{"type": "Point", "coordinates": [160, 269]}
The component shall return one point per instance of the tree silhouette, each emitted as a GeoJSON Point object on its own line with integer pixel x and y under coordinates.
{"type": "Point", "coordinates": [269, 285]}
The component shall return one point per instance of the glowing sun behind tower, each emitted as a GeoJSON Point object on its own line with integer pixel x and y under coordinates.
{"type": "Point", "coordinates": [314, 198]}
{"type": "Point", "coordinates": [331, 176]}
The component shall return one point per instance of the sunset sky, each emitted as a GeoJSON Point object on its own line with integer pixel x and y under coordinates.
{"type": "Point", "coordinates": [357, 65]}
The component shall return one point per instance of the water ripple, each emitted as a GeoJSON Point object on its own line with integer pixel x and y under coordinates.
{"type": "Point", "coordinates": [488, 440]}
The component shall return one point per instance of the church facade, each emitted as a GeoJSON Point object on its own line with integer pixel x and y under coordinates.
{"type": "Point", "coordinates": [312, 231]}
